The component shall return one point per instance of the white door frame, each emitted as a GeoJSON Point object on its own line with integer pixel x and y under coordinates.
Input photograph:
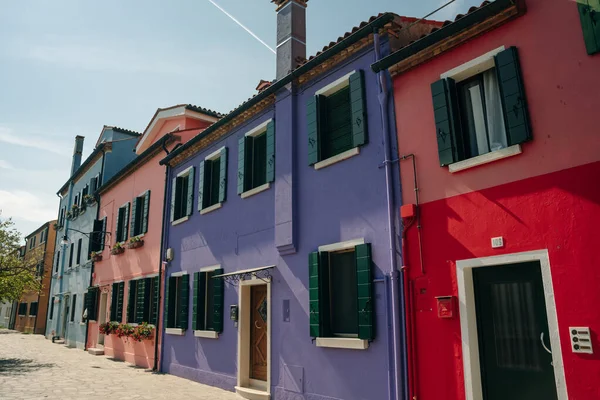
{"type": "Point", "coordinates": [243, 373]}
{"type": "Point", "coordinates": [468, 317]}
{"type": "Point", "coordinates": [102, 315]}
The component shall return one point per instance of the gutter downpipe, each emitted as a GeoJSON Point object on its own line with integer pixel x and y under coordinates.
{"type": "Point", "coordinates": [395, 387]}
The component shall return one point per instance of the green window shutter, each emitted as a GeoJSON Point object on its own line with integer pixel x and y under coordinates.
{"type": "Point", "coordinates": [134, 205]}
{"type": "Point", "coordinates": [241, 165]}
{"type": "Point", "coordinates": [170, 303]}
{"type": "Point", "coordinates": [140, 301]}
{"type": "Point", "coordinates": [514, 102]}
{"type": "Point", "coordinates": [446, 120]}
{"type": "Point", "coordinates": [114, 301]}
{"type": "Point", "coordinates": [218, 300]}
{"type": "Point", "coordinates": [155, 307]}
{"type": "Point", "coordinates": [131, 299]}
{"type": "Point", "coordinates": [198, 301]}
{"type": "Point", "coordinates": [201, 189]}
{"type": "Point", "coordinates": [271, 151]}
{"type": "Point", "coordinates": [103, 234]}
{"type": "Point", "coordinates": [365, 291]}
{"type": "Point", "coordinates": [589, 15]}
{"type": "Point", "coordinates": [312, 126]}
{"type": "Point", "coordinates": [119, 228]}
{"type": "Point", "coordinates": [87, 304]}
{"type": "Point", "coordinates": [223, 176]}
{"type": "Point", "coordinates": [314, 295]}
{"type": "Point", "coordinates": [120, 302]}
{"type": "Point", "coordinates": [190, 192]}
{"type": "Point", "coordinates": [94, 310]}
{"type": "Point", "coordinates": [146, 212]}
{"type": "Point", "coordinates": [185, 302]}
{"type": "Point", "coordinates": [359, 109]}
{"type": "Point", "coordinates": [126, 222]}
{"type": "Point", "coordinates": [173, 196]}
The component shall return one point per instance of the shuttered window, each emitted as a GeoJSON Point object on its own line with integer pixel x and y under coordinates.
{"type": "Point", "coordinates": [116, 304]}
{"type": "Point", "coordinates": [51, 309]}
{"type": "Point", "coordinates": [336, 119]}
{"type": "Point", "coordinates": [483, 113]}
{"type": "Point", "coordinates": [139, 214]}
{"type": "Point", "coordinates": [207, 301]}
{"type": "Point", "coordinates": [122, 223]}
{"type": "Point", "coordinates": [79, 244]}
{"type": "Point", "coordinates": [182, 194]}
{"type": "Point", "coordinates": [340, 293]}
{"type": "Point", "coordinates": [22, 309]}
{"type": "Point", "coordinates": [589, 14]}
{"type": "Point", "coordinates": [71, 251]}
{"type": "Point", "coordinates": [177, 302]}
{"type": "Point", "coordinates": [33, 309]}
{"type": "Point", "coordinates": [73, 306]}
{"type": "Point", "coordinates": [212, 186]}
{"type": "Point", "coordinates": [90, 301]}
{"type": "Point", "coordinates": [256, 159]}
{"type": "Point", "coordinates": [57, 261]}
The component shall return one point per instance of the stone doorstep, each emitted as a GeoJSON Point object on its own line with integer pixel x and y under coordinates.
{"type": "Point", "coordinates": [59, 341]}
{"type": "Point", "coordinates": [95, 351]}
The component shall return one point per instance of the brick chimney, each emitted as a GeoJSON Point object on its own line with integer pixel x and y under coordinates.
{"type": "Point", "coordinates": [77, 151]}
{"type": "Point", "coordinates": [291, 34]}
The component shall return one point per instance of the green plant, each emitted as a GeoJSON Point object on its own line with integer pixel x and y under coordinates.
{"type": "Point", "coordinates": [135, 239]}
{"type": "Point", "coordinates": [143, 331]}
{"type": "Point", "coordinates": [74, 207]}
{"type": "Point", "coordinates": [124, 330]}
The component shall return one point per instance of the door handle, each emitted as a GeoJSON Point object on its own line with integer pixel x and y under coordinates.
{"type": "Point", "coordinates": [256, 325]}
{"type": "Point", "coordinates": [543, 344]}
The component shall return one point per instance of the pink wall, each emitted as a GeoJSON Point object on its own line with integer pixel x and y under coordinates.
{"type": "Point", "coordinates": [544, 198]}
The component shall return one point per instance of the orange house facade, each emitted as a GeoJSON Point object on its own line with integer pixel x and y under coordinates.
{"type": "Point", "coordinates": [125, 292]}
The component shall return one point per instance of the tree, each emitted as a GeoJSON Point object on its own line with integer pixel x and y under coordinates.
{"type": "Point", "coordinates": [17, 272]}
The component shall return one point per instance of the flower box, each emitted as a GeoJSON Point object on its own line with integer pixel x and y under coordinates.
{"type": "Point", "coordinates": [117, 250]}
{"type": "Point", "coordinates": [134, 244]}
{"type": "Point", "coordinates": [96, 257]}
{"type": "Point", "coordinates": [89, 200]}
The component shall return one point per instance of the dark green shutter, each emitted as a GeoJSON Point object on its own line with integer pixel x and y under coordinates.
{"type": "Point", "coordinates": [103, 234]}
{"type": "Point", "coordinates": [90, 301]}
{"type": "Point", "coordinates": [185, 302]}
{"type": "Point", "coordinates": [131, 301]}
{"type": "Point", "coordinates": [198, 301]}
{"type": "Point", "coordinates": [365, 291]}
{"type": "Point", "coordinates": [589, 14]}
{"type": "Point", "coordinates": [114, 301]}
{"type": "Point", "coordinates": [87, 304]}
{"type": "Point", "coordinates": [271, 151]}
{"type": "Point", "coordinates": [218, 300]}
{"type": "Point", "coordinates": [201, 189]}
{"type": "Point", "coordinates": [125, 225]}
{"type": "Point", "coordinates": [514, 103]}
{"type": "Point", "coordinates": [359, 109]}
{"type": "Point", "coordinates": [134, 204]}
{"type": "Point", "coordinates": [120, 301]}
{"type": "Point", "coordinates": [314, 291]}
{"type": "Point", "coordinates": [173, 196]}
{"type": "Point", "coordinates": [119, 228]}
{"type": "Point", "coordinates": [446, 120]}
{"type": "Point", "coordinates": [312, 126]}
{"type": "Point", "coordinates": [146, 212]}
{"type": "Point", "coordinates": [190, 192]}
{"type": "Point", "coordinates": [241, 165]}
{"type": "Point", "coordinates": [141, 301]}
{"type": "Point", "coordinates": [170, 302]}
{"type": "Point", "coordinates": [223, 176]}
{"type": "Point", "coordinates": [155, 307]}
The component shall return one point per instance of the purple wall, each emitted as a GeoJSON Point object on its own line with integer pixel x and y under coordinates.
{"type": "Point", "coordinates": [304, 209]}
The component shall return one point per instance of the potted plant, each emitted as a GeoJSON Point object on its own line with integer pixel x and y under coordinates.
{"type": "Point", "coordinates": [89, 199]}
{"type": "Point", "coordinates": [96, 256]}
{"type": "Point", "coordinates": [117, 249]}
{"type": "Point", "coordinates": [107, 328]}
{"type": "Point", "coordinates": [135, 242]}
{"type": "Point", "coordinates": [74, 211]}
{"type": "Point", "coordinates": [56, 226]}
{"type": "Point", "coordinates": [69, 215]}
{"type": "Point", "coordinates": [143, 331]}
{"type": "Point", "coordinates": [124, 330]}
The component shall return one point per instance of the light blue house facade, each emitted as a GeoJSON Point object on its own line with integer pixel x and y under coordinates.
{"type": "Point", "coordinates": [72, 266]}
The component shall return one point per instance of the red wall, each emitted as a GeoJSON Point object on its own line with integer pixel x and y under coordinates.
{"type": "Point", "coordinates": [548, 197]}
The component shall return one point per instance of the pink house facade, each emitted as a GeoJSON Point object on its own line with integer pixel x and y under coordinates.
{"type": "Point", "coordinates": [127, 275]}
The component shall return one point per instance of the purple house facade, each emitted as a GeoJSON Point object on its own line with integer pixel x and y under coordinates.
{"type": "Point", "coordinates": [280, 246]}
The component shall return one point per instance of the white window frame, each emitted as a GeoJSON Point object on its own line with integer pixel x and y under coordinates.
{"type": "Point", "coordinates": [211, 157]}
{"type": "Point", "coordinates": [185, 172]}
{"type": "Point", "coordinates": [175, 331]}
{"type": "Point", "coordinates": [257, 131]}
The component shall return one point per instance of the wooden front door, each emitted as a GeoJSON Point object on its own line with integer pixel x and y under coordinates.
{"type": "Point", "coordinates": [258, 333]}
{"type": "Point", "coordinates": [512, 327]}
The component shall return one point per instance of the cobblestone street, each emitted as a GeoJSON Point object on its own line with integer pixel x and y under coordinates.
{"type": "Point", "coordinates": [32, 367]}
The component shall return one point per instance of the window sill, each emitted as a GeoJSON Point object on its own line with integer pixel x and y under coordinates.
{"type": "Point", "coordinates": [175, 331]}
{"type": "Point", "coordinates": [180, 220]}
{"type": "Point", "coordinates": [206, 334]}
{"type": "Point", "coordinates": [211, 208]}
{"type": "Point", "coordinates": [485, 158]}
{"type": "Point", "coordinates": [343, 343]}
{"type": "Point", "coordinates": [256, 190]}
{"type": "Point", "coordinates": [337, 158]}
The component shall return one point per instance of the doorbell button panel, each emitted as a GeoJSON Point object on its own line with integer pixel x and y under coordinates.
{"type": "Point", "coordinates": [581, 339]}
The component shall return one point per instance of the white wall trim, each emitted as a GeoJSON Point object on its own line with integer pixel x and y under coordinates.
{"type": "Point", "coordinates": [334, 86]}
{"type": "Point", "coordinates": [348, 244]}
{"type": "Point", "coordinates": [174, 331]}
{"type": "Point", "coordinates": [468, 317]}
{"type": "Point", "coordinates": [258, 129]}
{"type": "Point", "coordinates": [214, 155]}
{"type": "Point", "coordinates": [343, 343]}
{"type": "Point", "coordinates": [180, 220]}
{"type": "Point", "coordinates": [337, 158]}
{"type": "Point", "coordinates": [206, 334]}
{"type": "Point", "coordinates": [256, 190]}
{"type": "Point", "coordinates": [185, 171]}
{"type": "Point", "coordinates": [178, 274]}
{"type": "Point", "coordinates": [485, 158]}
{"type": "Point", "coordinates": [211, 208]}
{"type": "Point", "coordinates": [473, 67]}
{"type": "Point", "coordinates": [210, 268]}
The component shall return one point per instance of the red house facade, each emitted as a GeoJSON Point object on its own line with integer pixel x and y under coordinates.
{"type": "Point", "coordinates": [498, 110]}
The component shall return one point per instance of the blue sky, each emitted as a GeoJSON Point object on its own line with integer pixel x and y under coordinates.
{"type": "Point", "coordinates": [68, 67]}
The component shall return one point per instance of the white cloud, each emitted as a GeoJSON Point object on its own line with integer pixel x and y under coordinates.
{"type": "Point", "coordinates": [8, 135]}
{"type": "Point", "coordinates": [26, 206]}
{"type": "Point", "coordinates": [6, 165]}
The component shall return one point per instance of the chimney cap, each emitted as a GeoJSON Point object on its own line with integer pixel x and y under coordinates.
{"type": "Point", "coordinates": [280, 3]}
{"type": "Point", "coordinates": [262, 85]}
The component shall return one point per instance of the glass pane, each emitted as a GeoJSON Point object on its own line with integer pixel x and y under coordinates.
{"type": "Point", "coordinates": [177, 308]}
{"type": "Point", "coordinates": [493, 110]}
{"type": "Point", "coordinates": [343, 294]}
{"type": "Point", "coordinates": [209, 303]}
{"type": "Point", "coordinates": [515, 327]}
{"type": "Point", "coordinates": [215, 169]}
{"type": "Point", "coordinates": [259, 160]}
{"type": "Point", "coordinates": [337, 138]}
{"type": "Point", "coordinates": [473, 116]}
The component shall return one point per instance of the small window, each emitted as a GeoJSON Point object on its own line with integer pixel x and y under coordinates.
{"type": "Point", "coordinates": [177, 302]}
{"type": "Point", "coordinates": [79, 244]}
{"type": "Point", "coordinates": [116, 304]}
{"type": "Point", "coordinates": [212, 188]}
{"type": "Point", "coordinates": [182, 195]}
{"type": "Point", "coordinates": [256, 158]}
{"type": "Point", "coordinates": [39, 269]}
{"type": "Point", "coordinates": [208, 310]}
{"type": "Point", "coordinates": [22, 309]}
{"type": "Point", "coordinates": [43, 235]}
{"type": "Point", "coordinates": [57, 261]}
{"type": "Point", "coordinates": [122, 226]}
{"type": "Point", "coordinates": [132, 302]}
{"type": "Point", "coordinates": [51, 308]}
{"type": "Point", "coordinates": [73, 305]}
{"type": "Point", "coordinates": [139, 214]}
{"type": "Point", "coordinates": [33, 308]}
{"type": "Point", "coordinates": [152, 288]}
{"type": "Point", "coordinates": [71, 251]}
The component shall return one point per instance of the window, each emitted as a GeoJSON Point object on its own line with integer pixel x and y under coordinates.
{"type": "Point", "coordinates": [182, 194]}
{"type": "Point", "coordinates": [336, 119]}
{"type": "Point", "coordinates": [39, 269]}
{"type": "Point", "coordinates": [480, 112]}
{"type": "Point", "coordinates": [141, 304]}
{"type": "Point", "coordinates": [61, 217]}
{"type": "Point", "coordinates": [22, 309]}
{"type": "Point", "coordinates": [93, 185]}
{"type": "Point", "coordinates": [90, 304]}
{"type": "Point", "coordinates": [71, 255]}
{"type": "Point", "coordinates": [73, 305]}
{"type": "Point", "coordinates": [256, 157]}
{"type": "Point", "coordinates": [212, 188]}
{"type": "Point", "coordinates": [132, 303]}
{"type": "Point", "coordinates": [340, 291]}
{"type": "Point", "coordinates": [208, 306]}
{"type": "Point", "coordinates": [588, 15]}
{"type": "Point", "coordinates": [116, 305]}
{"type": "Point", "coordinates": [96, 239]}
{"type": "Point", "coordinates": [122, 223]}
{"type": "Point", "coordinates": [33, 308]}
{"type": "Point", "coordinates": [51, 309]}
{"type": "Point", "coordinates": [177, 300]}
{"type": "Point", "coordinates": [57, 261]}
{"type": "Point", "coordinates": [152, 288]}
{"type": "Point", "coordinates": [139, 214]}
{"type": "Point", "coordinates": [79, 244]}
{"type": "Point", "coordinates": [76, 200]}
{"type": "Point", "coordinates": [43, 235]}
